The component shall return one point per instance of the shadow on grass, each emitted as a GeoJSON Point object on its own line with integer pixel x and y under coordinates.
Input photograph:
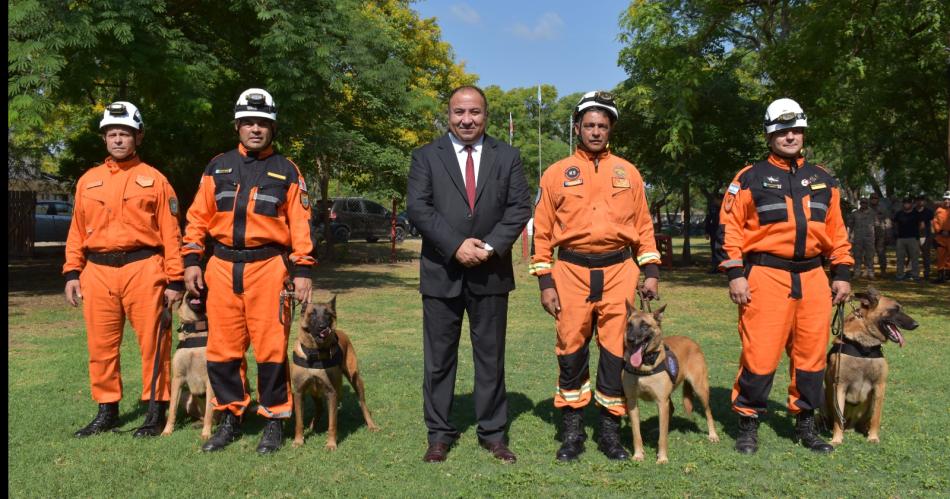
{"type": "Point", "coordinates": [349, 418]}
{"type": "Point", "coordinates": [38, 276]}
{"type": "Point", "coordinates": [463, 410]}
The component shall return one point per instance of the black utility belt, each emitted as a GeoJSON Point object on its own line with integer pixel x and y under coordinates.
{"type": "Point", "coordinates": [594, 260]}
{"type": "Point", "coordinates": [236, 255]}
{"type": "Point", "coordinates": [794, 266]}
{"type": "Point", "coordinates": [121, 258]}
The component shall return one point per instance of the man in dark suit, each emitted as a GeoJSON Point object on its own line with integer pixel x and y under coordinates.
{"type": "Point", "coordinates": [469, 199]}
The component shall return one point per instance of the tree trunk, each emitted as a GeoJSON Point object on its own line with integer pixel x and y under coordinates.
{"type": "Point", "coordinates": [687, 218]}
{"type": "Point", "coordinates": [323, 174]}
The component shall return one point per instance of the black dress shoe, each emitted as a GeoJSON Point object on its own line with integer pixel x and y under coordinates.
{"type": "Point", "coordinates": [609, 437]}
{"type": "Point", "coordinates": [106, 419]}
{"type": "Point", "coordinates": [806, 434]}
{"type": "Point", "coordinates": [154, 421]}
{"type": "Point", "coordinates": [436, 453]}
{"type": "Point", "coordinates": [572, 434]}
{"type": "Point", "coordinates": [273, 437]}
{"type": "Point", "coordinates": [499, 451]}
{"type": "Point", "coordinates": [748, 440]}
{"type": "Point", "coordinates": [229, 430]}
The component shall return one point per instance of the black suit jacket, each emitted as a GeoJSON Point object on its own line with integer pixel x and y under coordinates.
{"type": "Point", "coordinates": [438, 207]}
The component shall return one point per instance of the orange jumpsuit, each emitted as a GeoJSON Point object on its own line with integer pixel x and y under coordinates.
{"type": "Point", "coordinates": [590, 207]}
{"type": "Point", "coordinates": [123, 246]}
{"type": "Point", "coordinates": [941, 232]}
{"type": "Point", "coordinates": [779, 223]}
{"type": "Point", "coordinates": [255, 208]}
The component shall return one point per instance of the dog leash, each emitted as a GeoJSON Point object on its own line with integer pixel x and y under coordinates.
{"type": "Point", "coordinates": [286, 299]}
{"type": "Point", "coordinates": [643, 301]}
{"type": "Point", "coordinates": [837, 329]}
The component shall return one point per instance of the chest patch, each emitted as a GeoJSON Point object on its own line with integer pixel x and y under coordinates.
{"type": "Point", "coordinates": [572, 172]}
{"type": "Point", "coordinates": [816, 187]}
{"type": "Point", "coordinates": [769, 185]}
{"type": "Point", "coordinates": [572, 183]}
{"type": "Point", "coordinates": [620, 182]}
{"type": "Point", "coordinates": [97, 183]}
{"type": "Point", "coordinates": [276, 175]}
{"type": "Point", "coordinates": [223, 170]}
{"type": "Point", "coordinates": [144, 181]}
{"type": "Point", "coordinates": [619, 173]}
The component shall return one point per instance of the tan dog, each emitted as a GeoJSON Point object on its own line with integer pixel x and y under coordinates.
{"type": "Point", "coordinates": [651, 373]}
{"type": "Point", "coordinates": [190, 367]}
{"type": "Point", "coordinates": [322, 355]}
{"type": "Point", "coordinates": [857, 371]}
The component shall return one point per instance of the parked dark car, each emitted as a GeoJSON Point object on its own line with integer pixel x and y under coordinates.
{"type": "Point", "coordinates": [52, 219]}
{"type": "Point", "coordinates": [358, 218]}
{"type": "Point", "coordinates": [403, 219]}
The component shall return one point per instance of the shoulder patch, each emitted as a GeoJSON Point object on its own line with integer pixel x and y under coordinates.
{"type": "Point", "coordinates": [305, 199]}
{"type": "Point", "coordinates": [734, 188]}
{"type": "Point", "coordinates": [173, 206]}
{"type": "Point", "coordinates": [537, 199]}
{"type": "Point", "coordinates": [301, 184]}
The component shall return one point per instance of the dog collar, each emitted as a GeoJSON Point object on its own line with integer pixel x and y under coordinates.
{"type": "Point", "coordinates": [319, 359]}
{"type": "Point", "coordinates": [193, 342]}
{"type": "Point", "coordinates": [194, 327]}
{"type": "Point", "coordinates": [670, 364]}
{"type": "Point", "coordinates": [852, 348]}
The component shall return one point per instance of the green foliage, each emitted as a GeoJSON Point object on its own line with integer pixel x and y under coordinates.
{"type": "Point", "coordinates": [357, 83]}
{"type": "Point", "coordinates": [872, 76]}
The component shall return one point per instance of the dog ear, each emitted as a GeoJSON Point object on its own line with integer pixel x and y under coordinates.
{"type": "Point", "coordinates": [333, 304]}
{"type": "Point", "coordinates": [658, 313]}
{"type": "Point", "coordinates": [873, 296]}
{"type": "Point", "coordinates": [630, 307]}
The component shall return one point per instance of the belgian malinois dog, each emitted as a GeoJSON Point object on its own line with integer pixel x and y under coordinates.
{"type": "Point", "coordinates": [322, 355]}
{"type": "Point", "coordinates": [653, 367]}
{"type": "Point", "coordinates": [857, 371]}
{"type": "Point", "coordinates": [190, 366]}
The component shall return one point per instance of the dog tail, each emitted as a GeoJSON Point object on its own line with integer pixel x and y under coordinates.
{"type": "Point", "coordinates": [688, 393]}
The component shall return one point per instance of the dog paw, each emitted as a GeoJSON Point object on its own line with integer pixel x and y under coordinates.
{"type": "Point", "coordinates": [297, 442]}
{"type": "Point", "coordinates": [205, 436]}
{"type": "Point", "coordinates": [714, 438]}
{"type": "Point", "coordinates": [331, 446]}
{"type": "Point", "coordinates": [638, 457]}
{"type": "Point", "coordinates": [662, 460]}
{"type": "Point", "coordinates": [874, 440]}
{"type": "Point", "coordinates": [836, 442]}
{"type": "Point", "coordinates": [373, 428]}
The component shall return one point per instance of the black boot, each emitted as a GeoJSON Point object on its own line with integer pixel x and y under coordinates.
{"type": "Point", "coordinates": [806, 434]}
{"type": "Point", "coordinates": [572, 434]}
{"type": "Point", "coordinates": [608, 439]}
{"type": "Point", "coordinates": [106, 419]}
{"type": "Point", "coordinates": [748, 440]}
{"type": "Point", "coordinates": [154, 421]}
{"type": "Point", "coordinates": [272, 438]}
{"type": "Point", "coordinates": [941, 277]}
{"type": "Point", "coordinates": [229, 430]}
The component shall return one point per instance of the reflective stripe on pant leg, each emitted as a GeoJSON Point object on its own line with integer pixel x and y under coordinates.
{"type": "Point", "coordinates": [263, 281]}
{"type": "Point", "coordinates": [809, 342]}
{"type": "Point", "coordinates": [619, 286]}
{"type": "Point", "coordinates": [573, 326]}
{"type": "Point", "coordinates": [104, 318]}
{"type": "Point", "coordinates": [227, 339]}
{"type": "Point", "coordinates": [764, 327]}
{"type": "Point", "coordinates": [143, 286]}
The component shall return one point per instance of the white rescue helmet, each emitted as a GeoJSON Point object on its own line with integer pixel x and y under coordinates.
{"type": "Point", "coordinates": [122, 113]}
{"type": "Point", "coordinates": [946, 195]}
{"type": "Point", "coordinates": [255, 102]}
{"type": "Point", "coordinates": [602, 100]}
{"type": "Point", "coordinates": [784, 113]}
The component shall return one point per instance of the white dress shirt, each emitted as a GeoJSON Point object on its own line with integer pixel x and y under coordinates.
{"type": "Point", "coordinates": [462, 154]}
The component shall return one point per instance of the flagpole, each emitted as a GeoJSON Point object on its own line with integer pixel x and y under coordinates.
{"type": "Point", "coordinates": [539, 134]}
{"type": "Point", "coordinates": [570, 140]}
{"type": "Point", "coordinates": [511, 130]}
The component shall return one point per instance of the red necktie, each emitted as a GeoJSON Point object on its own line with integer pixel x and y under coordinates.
{"type": "Point", "coordinates": [470, 179]}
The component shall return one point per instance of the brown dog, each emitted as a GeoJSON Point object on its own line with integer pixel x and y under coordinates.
{"type": "Point", "coordinates": [322, 355]}
{"type": "Point", "coordinates": [190, 367]}
{"type": "Point", "coordinates": [857, 372]}
{"type": "Point", "coordinates": [652, 373]}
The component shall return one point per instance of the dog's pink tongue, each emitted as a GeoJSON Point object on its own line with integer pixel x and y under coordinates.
{"type": "Point", "coordinates": [896, 332]}
{"type": "Point", "coordinates": [636, 359]}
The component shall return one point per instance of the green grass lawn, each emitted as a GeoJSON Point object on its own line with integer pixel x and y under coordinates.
{"type": "Point", "coordinates": [379, 306]}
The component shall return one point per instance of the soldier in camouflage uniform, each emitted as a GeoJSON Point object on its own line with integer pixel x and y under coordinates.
{"type": "Point", "coordinates": [882, 225]}
{"type": "Point", "coordinates": [863, 221]}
